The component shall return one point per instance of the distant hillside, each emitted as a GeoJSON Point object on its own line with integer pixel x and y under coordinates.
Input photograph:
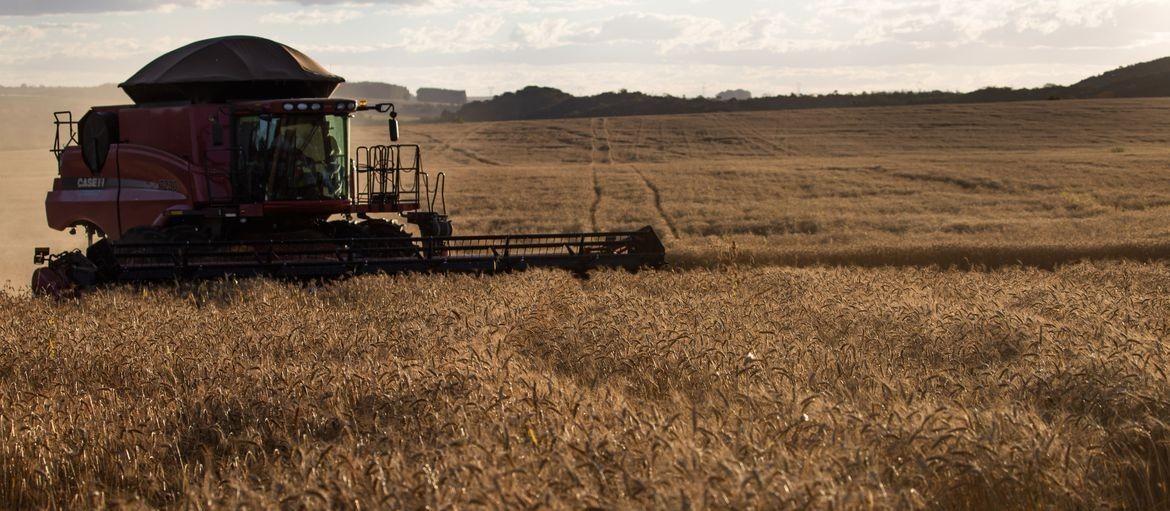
{"type": "Point", "coordinates": [1148, 79]}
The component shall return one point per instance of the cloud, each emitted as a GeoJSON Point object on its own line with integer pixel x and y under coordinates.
{"type": "Point", "coordinates": [41, 7]}
{"type": "Point", "coordinates": [957, 22]}
{"type": "Point", "coordinates": [551, 33]}
{"type": "Point", "coordinates": [48, 7]}
{"type": "Point", "coordinates": [432, 7]}
{"type": "Point", "coordinates": [343, 49]}
{"type": "Point", "coordinates": [670, 33]}
{"type": "Point", "coordinates": [359, 2]}
{"type": "Point", "coordinates": [644, 27]}
{"type": "Point", "coordinates": [311, 17]}
{"type": "Point", "coordinates": [23, 34]}
{"type": "Point", "coordinates": [858, 25]}
{"type": "Point", "coordinates": [609, 44]}
{"type": "Point", "coordinates": [61, 52]}
{"type": "Point", "coordinates": [471, 33]}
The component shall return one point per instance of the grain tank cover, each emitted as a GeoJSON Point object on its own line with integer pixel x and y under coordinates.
{"type": "Point", "coordinates": [230, 68]}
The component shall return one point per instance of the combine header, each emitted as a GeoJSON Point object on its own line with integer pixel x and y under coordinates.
{"type": "Point", "coordinates": [234, 160]}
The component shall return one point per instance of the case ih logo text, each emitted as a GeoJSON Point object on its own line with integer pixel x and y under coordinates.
{"type": "Point", "coordinates": [91, 182]}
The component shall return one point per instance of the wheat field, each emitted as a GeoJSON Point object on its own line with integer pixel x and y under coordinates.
{"type": "Point", "coordinates": [952, 307]}
{"type": "Point", "coordinates": [735, 389]}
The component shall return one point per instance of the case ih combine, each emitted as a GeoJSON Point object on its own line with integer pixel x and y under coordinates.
{"type": "Point", "coordinates": [235, 160]}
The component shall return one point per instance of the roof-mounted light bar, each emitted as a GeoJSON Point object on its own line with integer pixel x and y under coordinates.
{"type": "Point", "coordinates": [323, 106]}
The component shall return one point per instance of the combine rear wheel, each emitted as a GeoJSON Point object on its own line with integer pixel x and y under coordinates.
{"type": "Point", "coordinates": [186, 233]}
{"type": "Point", "coordinates": [102, 256]}
{"type": "Point", "coordinates": [379, 228]}
{"type": "Point", "coordinates": [389, 236]}
{"type": "Point", "coordinates": [143, 235]}
{"type": "Point", "coordinates": [341, 229]}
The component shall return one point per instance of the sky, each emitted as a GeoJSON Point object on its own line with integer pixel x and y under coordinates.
{"type": "Point", "coordinates": [679, 47]}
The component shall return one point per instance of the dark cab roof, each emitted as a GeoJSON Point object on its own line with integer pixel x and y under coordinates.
{"type": "Point", "coordinates": [228, 69]}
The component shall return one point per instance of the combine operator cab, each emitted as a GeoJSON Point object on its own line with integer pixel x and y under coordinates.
{"type": "Point", "coordinates": [282, 157]}
{"type": "Point", "coordinates": [299, 151]}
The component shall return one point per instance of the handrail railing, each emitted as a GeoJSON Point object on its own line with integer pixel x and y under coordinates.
{"type": "Point", "coordinates": [387, 177]}
{"type": "Point", "coordinates": [63, 118]}
{"type": "Point", "coordinates": [439, 192]}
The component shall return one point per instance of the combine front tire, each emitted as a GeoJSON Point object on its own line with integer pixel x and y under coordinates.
{"type": "Point", "coordinates": [390, 235]}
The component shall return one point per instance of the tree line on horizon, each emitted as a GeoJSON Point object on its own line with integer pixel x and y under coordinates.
{"type": "Point", "coordinates": [1147, 79]}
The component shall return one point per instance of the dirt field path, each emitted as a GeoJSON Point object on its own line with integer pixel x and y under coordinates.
{"type": "Point", "coordinates": [657, 201]}
{"type": "Point", "coordinates": [636, 148]}
{"type": "Point", "coordinates": [626, 176]}
{"type": "Point", "coordinates": [459, 146]}
{"type": "Point", "coordinates": [756, 137]}
{"type": "Point", "coordinates": [594, 148]}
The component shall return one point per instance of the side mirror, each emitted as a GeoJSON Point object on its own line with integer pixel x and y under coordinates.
{"type": "Point", "coordinates": [393, 129]}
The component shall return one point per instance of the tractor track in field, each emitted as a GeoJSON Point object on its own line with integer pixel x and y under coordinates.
{"type": "Point", "coordinates": [690, 151]}
{"type": "Point", "coordinates": [441, 146]}
{"type": "Point", "coordinates": [668, 147]}
{"type": "Point", "coordinates": [460, 148]}
{"type": "Point", "coordinates": [593, 170]}
{"type": "Point", "coordinates": [596, 198]}
{"type": "Point", "coordinates": [601, 144]}
{"type": "Point", "coordinates": [778, 148]}
{"type": "Point", "coordinates": [457, 148]}
{"type": "Point", "coordinates": [608, 142]}
{"type": "Point", "coordinates": [474, 156]}
{"type": "Point", "coordinates": [657, 201]}
{"type": "Point", "coordinates": [641, 175]}
{"type": "Point", "coordinates": [755, 139]}
{"type": "Point", "coordinates": [430, 138]}
{"type": "Point", "coordinates": [636, 150]}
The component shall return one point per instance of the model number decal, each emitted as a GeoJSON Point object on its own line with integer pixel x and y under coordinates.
{"type": "Point", "coordinates": [91, 182]}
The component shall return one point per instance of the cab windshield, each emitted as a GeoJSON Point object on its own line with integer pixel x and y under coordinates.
{"type": "Point", "coordinates": [292, 157]}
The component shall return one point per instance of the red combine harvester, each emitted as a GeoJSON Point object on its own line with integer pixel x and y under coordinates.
{"type": "Point", "coordinates": [234, 159]}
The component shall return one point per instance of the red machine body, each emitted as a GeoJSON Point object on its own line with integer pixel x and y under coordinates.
{"type": "Point", "coordinates": [182, 164]}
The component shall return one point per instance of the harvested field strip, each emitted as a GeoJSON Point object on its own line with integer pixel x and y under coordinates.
{"type": "Point", "coordinates": [721, 253]}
